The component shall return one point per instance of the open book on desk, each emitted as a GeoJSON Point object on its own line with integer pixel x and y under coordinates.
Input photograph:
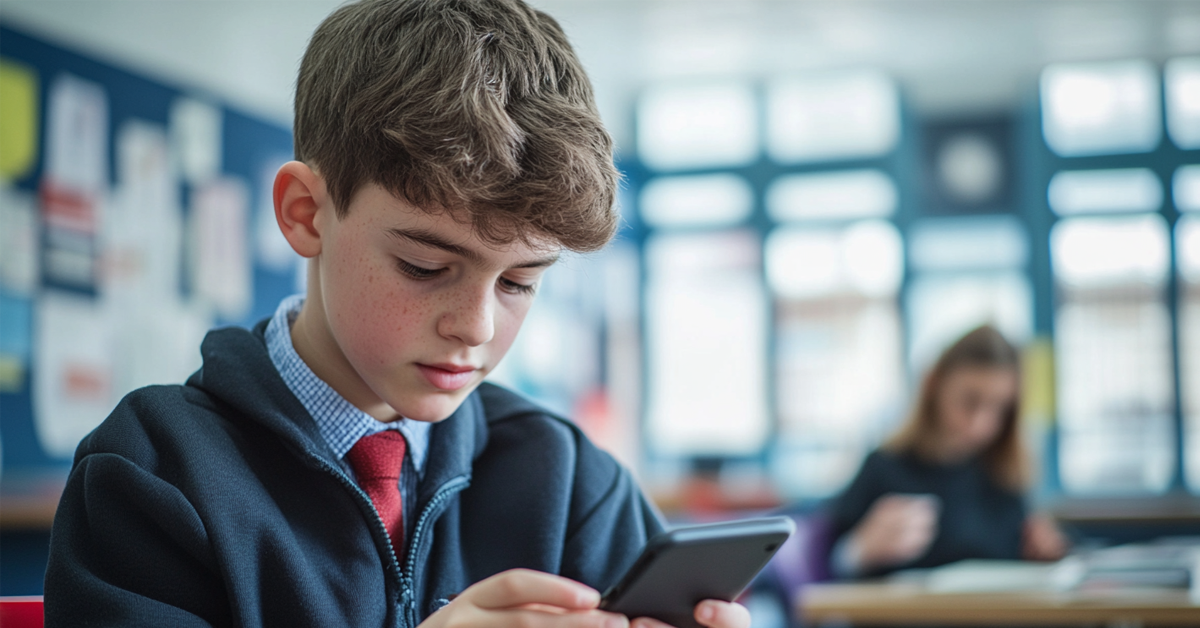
{"type": "Point", "coordinates": [1173, 564]}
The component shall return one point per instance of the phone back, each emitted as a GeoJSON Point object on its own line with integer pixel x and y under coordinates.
{"type": "Point", "coordinates": [680, 568]}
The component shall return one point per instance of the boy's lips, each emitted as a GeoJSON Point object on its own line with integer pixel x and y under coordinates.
{"type": "Point", "coordinates": [447, 377]}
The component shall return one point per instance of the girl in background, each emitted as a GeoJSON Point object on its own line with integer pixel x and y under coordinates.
{"type": "Point", "coordinates": [949, 484]}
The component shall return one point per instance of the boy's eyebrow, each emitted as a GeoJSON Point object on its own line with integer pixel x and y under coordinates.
{"type": "Point", "coordinates": [426, 238]}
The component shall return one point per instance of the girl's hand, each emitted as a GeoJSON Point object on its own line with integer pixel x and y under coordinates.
{"type": "Point", "coordinates": [897, 529]}
{"type": "Point", "coordinates": [1042, 540]}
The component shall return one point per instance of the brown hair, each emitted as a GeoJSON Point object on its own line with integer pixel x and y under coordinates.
{"type": "Point", "coordinates": [474, 107]}
{"type": "Point", "coordinates": [1005, 458]}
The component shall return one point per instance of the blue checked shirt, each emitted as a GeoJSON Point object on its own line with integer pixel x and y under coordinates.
{"type": "Point", "coordinates": [340, 423]}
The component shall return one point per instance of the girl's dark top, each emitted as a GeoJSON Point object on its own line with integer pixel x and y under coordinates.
{"type": "Point", "coordinates": [978, 518]}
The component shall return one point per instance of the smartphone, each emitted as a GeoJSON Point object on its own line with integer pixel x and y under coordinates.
{"type": "Point", "coordinates": [681, 567]}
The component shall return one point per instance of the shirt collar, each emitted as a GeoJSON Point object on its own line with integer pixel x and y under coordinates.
{"type": "Point", "coordinates": [340, 423]}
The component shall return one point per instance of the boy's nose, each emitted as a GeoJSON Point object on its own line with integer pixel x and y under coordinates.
{"type": "Point", "coordinates": [470, 318]}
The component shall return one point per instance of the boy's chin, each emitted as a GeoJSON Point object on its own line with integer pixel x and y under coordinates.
{"type": "Point", "coordinates": [438, 407]}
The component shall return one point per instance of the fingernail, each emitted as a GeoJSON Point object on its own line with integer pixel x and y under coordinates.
{"type": "Point", "coordinates": [588, 597]}
{"type": "Point", "coordinates": [707, 612]}
{"type": "Point", "coordinates": [616, 621]}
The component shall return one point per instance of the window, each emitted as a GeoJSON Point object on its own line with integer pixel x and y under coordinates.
{"type": "Point", "coordinates": [968, 271]}
{"type": "Point", "coordinates": [832, 116]}
{"type": "Point", "coordinates": [832, 195]}
{"type": "Point", "coordinates": [1105, 191]}
{"type": "Point", "coordinates": [1113, 347]}
{"type": "Point", "coordinates": [707, 339]}
{"type": "Point", "coordinates": [699, 200]}
{"type": "Point", "coordinates": [1101, 108]}
{"type": "Point", "coordinates": [806, 262]}
{"type": "Point", "coordinates": [1185, 188]}
{"type": "Point", "coordinates": [1187, 244]}
{"type": "Point", "coordinates": [697, 126]}
{"type": "Point", "coordinates": [729, 234]}
{"type": "Point", "coordinates": [1182, 77]}
{"type": "Point", "coordinates": [839, 371]}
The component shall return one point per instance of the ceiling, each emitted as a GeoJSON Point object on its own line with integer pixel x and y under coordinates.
{"type": "Point", "coordinates": [950, 56]}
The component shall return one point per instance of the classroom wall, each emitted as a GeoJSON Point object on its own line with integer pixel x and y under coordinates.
{"type": "Point", "coordinates": [135, 215]}
{"type": "Point", "coordinates": [800, 236]}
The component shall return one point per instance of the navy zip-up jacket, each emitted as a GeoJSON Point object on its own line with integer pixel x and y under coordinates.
{"type": "Point", "coordinates": [217, 503]}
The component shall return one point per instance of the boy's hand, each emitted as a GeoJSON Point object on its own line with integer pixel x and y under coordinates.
{"type": "Point", "coordinates": [526, 599]}
{"type": "Point", "coordinates": [711, 613]}
{"type": "Point", "coordinates": [532, 599]}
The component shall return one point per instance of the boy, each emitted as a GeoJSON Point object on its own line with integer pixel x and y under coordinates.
{"type": "Point", "coordinates": [342, 464]}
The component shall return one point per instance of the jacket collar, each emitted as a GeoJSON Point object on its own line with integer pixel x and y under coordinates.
{"type": "Point", "coordinates": [238, 372]}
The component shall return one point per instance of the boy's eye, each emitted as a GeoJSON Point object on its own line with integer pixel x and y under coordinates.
{"type": "Point", "coordinates": [417, 272]}
{"type": "Point", "coordinates": [514, 287]}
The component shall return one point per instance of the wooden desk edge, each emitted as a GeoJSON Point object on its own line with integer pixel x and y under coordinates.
{"type": "Point", "coordinates": [898, 605]}
{"type": "Point", "coordinates": [28, 500]}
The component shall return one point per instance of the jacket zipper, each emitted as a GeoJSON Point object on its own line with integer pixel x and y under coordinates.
{"type": "Point", "coordinates": [432, 509]}
{"type": "Point", "coordinates": [407, 599]}
{"type": "Point", "coordinates": [394, 564]}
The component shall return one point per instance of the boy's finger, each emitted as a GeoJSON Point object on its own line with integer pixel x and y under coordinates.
{"type": "Point", "coordinates": [518, 587]}
{"type": "Point", "coordinates": [649, 622]}
{"type": "Point", "coordinates": [717, 614]}
{"type": "Point", "coordinates": [539, 619]}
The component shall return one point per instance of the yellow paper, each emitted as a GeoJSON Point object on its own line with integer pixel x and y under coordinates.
{"type": "Point", "coordinates": [18, 119]}
{"type": "Point", "coordinates": [1039, 384]}
{"type": "Point", "coordinates": [12, 373]}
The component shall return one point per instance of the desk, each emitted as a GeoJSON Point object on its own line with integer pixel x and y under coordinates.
{"type": "Point", "coordinates": [904, 603]}
{"type": "Point", "coordinates": [28, 499]}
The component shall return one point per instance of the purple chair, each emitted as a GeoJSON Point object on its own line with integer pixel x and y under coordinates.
{"type": "Point", "coordinates": [802, 560]}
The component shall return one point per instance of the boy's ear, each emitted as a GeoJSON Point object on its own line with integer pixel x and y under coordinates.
{"type": "Point", "coordinates": [299, 195]}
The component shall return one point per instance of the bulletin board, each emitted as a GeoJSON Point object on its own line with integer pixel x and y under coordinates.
{"type": "Point", "coordinates": [134, 216]}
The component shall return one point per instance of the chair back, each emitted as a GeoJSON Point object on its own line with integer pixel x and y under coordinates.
{"type": "Point", "coordinates": [21, 612]}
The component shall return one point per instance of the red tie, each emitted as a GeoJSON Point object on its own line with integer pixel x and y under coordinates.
{"type": "Point", "coordinates": [377, 460]}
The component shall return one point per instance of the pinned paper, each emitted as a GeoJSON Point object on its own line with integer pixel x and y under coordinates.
{"type": "Point", "coordinates": [75, 181]}
{"type": "Point", "coordinates": [18, 241]}
{"type": "Point", "coordinates": [220, 263]}
{"type": "Point", "coordinates": [157, 340]}
{"type": "Point", "coordinates": [70, 254]}
{"type": "Point", "coordinates": [15, 340]}
{"type": "Point", "coordinates": [12, 374]}
{"type": "Point", "coordinates": [152, 329]}
{"type": "Point", "coordinates": [18, 119]}
{"type": "Point", "coordinates": [77, 134]}
{"type": "Point", "coordinates": [196, 136]}
{"type": "Point", "coordinates": [143, 225]}
{"type": "Point", "coordinates": [73, 374]}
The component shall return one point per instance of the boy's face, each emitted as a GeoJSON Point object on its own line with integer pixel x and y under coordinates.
{"type": "Point", "coordinates": [410, 310]}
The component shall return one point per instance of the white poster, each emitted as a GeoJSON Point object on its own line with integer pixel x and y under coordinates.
{"type": "Point", "coordinates": [154, 332]}
{"type": "Point", "coordinates": [75, 182]}
{"type": "Point", "coordinates": [73, 372]}
{"type": "Point", "coordinates": [196, 137]}
{"type": "Point", "coordinates": [143, 225]}
{"type": "Point", "coordinates": [220, 262]}
{"type": "Point", "coordinates": [77, 134]}
{"type": "Point", "coordinates": [159, 343]}
{"type": "Point", "coordinates": [18, 241]}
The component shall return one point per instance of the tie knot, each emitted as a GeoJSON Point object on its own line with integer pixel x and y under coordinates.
{"type": "Point", "coordinates": [378, 456]}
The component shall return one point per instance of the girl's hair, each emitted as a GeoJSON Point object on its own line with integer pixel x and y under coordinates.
{"type": "Point", "coordinates": [1006, 458]}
